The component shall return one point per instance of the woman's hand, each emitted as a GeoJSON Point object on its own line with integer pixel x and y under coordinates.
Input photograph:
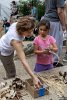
{"type": "Point", "coordinates": [37, 82]}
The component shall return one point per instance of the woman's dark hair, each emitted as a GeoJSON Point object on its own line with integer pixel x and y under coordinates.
{"type": "Point", "coordinates": [13, 2]}
{"type": "Point", "coordinates": [44, 22]}
{"type": "Point", "coordinates": [25, 24]}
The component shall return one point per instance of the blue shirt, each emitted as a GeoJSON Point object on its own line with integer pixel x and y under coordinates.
{"type": "Point", "coordinates": [34, 12]}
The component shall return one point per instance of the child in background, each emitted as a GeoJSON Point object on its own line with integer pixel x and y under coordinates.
{"type": "Point", "coordinates": [43, 44]}
{"type": "Point", "coordinates": [6, 25]}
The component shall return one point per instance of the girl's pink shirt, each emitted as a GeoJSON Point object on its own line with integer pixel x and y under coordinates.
{"type": "Point", "coordinates": [42, 45]}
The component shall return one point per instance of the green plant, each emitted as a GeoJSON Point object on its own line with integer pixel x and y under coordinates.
{"type": "Point", "coordinates": [41, 10]}
{"type": "Point", "coordinates": [24, 7]}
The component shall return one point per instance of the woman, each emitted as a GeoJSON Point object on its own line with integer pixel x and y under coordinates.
{"type": "Point", "coordinates": [11, 41]}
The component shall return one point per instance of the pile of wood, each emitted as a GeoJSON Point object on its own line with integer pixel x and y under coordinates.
{"type": "Point", "coordinates": [12, 91]}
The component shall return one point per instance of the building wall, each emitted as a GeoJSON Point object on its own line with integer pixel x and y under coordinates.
{"type": "Point", "coordinates": [5, 8]}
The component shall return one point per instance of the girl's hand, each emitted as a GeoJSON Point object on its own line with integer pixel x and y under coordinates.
{"type": "Point", "coordinates": [46, 51]}
{"type": "Point", "coordinates": [50, 47]}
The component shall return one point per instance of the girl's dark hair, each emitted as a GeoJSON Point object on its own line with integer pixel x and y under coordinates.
{"type": "Point", "coordinates": [44, 22]}
{"type": "Point", "coordinates": [25, 24]}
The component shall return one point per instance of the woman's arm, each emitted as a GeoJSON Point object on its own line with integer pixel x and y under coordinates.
{"type": "Point", "coordinates": [18, 47]}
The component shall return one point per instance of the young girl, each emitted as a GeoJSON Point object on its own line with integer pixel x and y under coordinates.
{"type": "Point", "coordinates": [11, 41]}
{"type": "Point", "coordinates": [43, 44]}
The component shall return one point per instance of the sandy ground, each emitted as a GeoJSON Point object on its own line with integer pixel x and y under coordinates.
{"type": "Point", "coordinates": [22, 73]}
{"type": "Point", "coordinates": [19, 67]}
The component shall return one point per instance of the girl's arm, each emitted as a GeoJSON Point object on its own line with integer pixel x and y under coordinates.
{"type": "Point", "coordinates": [53, 48]}
{"type": "Point", "coordinates": [37, 51]}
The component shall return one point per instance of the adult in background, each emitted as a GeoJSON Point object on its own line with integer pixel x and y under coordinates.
{"type": "Point", "coordinates": [6, 25]}
{"type": "Point", "coordinates": [65, 35]}
{"type": "Point", "coordinates": [14, 11]}
{"type": "Point", "coordinates": [54, 12]}
{"type": "Point", "coordinates": [34, 11]}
